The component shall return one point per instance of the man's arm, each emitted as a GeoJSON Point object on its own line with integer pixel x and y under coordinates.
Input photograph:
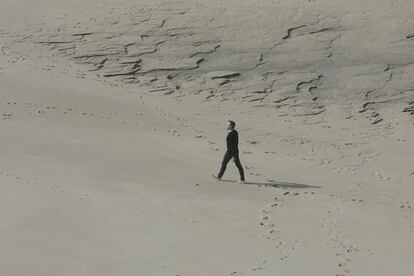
{"type": "Point", "coordinates": [234, 140]}
{"type": "Point", "coordinates": [236, 143]}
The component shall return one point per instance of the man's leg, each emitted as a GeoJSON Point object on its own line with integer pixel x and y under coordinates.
{"type": "Point", "coordinates": [239, 166]}
{"type": "Point", "coordinates": [226, 159]}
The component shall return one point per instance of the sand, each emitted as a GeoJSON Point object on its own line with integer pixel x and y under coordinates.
{"type": "Point", "coordinates": [113, 118]}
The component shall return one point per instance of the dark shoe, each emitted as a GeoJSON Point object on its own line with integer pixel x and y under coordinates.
{"type": "Point", "coordinates": [216, 177]}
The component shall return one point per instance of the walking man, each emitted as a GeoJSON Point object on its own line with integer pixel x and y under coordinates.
{"type": "Point", "coordinates": [232, 152]}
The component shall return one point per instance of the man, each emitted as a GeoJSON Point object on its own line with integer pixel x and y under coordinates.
{"type": "Point", "coordinates": [232, 152]}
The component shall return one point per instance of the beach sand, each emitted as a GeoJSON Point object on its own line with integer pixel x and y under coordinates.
{"type": "Point", "coordinates": [113, 118]}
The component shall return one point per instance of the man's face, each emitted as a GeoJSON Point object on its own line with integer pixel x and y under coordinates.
{"type": "Point", "coordinates": [228, 126]}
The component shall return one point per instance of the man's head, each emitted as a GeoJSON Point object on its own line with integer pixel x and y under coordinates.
{"type": "Point", "coordinates": [231, 125]}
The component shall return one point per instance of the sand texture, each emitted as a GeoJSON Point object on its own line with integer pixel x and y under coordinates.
{"type": "Point", "coordinates": [113, 118]}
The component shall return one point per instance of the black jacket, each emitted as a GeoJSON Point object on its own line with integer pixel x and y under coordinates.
{"type": "Point", "coordinates": [232, 141]}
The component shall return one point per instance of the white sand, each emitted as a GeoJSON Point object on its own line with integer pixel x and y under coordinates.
{"type": "Point", "coordinates": [113, 117]}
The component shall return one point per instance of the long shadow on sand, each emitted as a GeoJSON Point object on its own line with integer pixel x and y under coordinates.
{"type": "Point", "coordinates": [277, 184]}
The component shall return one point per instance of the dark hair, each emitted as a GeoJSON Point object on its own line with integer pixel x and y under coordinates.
{"type": "Point", "coordinates": [232, 123]}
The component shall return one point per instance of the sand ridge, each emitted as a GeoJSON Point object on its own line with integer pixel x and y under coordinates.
{"type": "Point", "coordinates": [113, 118]}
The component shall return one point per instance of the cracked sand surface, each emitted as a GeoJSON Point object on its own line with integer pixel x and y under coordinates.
{"type": "Point", "coordinates": [113, 116]}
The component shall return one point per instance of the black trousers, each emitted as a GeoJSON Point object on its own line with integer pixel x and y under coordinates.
{"type": "Point", "coordinates": [227, 157]}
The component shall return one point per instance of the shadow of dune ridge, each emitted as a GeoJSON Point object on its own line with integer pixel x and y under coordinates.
{"type": "Point", "coordinates": [278, 184]}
